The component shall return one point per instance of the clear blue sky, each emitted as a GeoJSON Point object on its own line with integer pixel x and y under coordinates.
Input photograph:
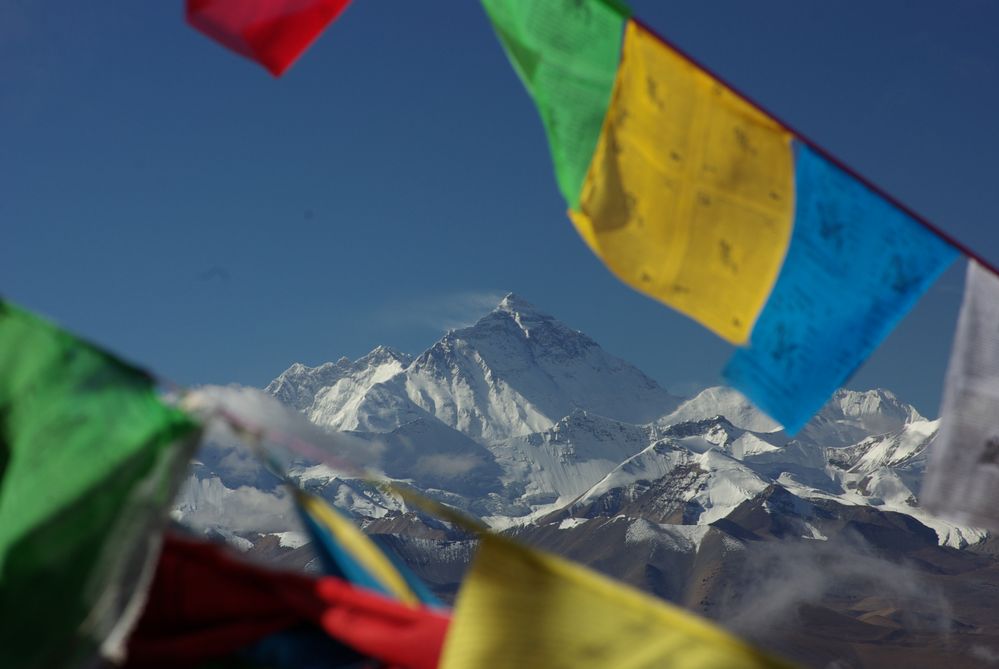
{"type": "Point", "coordinates": [175, 203]}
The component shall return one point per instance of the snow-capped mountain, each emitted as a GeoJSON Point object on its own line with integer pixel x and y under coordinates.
{"type": "Point", "coordinates": [850, 416]}
{"type": "Point", "coordinates": [847, 417]}
{"type": "Point", "coordinates": [534, 428]}
{"type": "Point", "coordinates": [721, 401]}
{"type": "Point", "coordinates": [329, 393]}
{"type": "Point", "coordinates": [519, 417]}
{"type": "Point", "coordinates": [548, 469]}
{"type": "Point", "coordinates": [516, 371]}
{"type": "Point", "coordinates": [669, 483]}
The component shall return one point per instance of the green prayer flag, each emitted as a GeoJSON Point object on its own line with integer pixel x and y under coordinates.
{"type": "Point", "coordinates": [90, 459]}
{"type": "Point", "coordinates": [566, 53]}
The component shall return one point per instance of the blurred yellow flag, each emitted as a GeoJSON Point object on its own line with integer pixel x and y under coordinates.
{"type": "Point", "coordinates": [690, 194]}
{"type": "Point", "coordinates": [520, 608]}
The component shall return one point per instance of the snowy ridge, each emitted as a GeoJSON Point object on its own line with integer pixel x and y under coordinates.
{"type": "Point", "coordinates": [515, 372]}
{"type": "Point", "coordinates": [700, 487]}
{"type": "Point", "coordinates": [681, 538]}
{"type": "Point", "coordinates": [525, 422]}
{"type": "Point", "coordinates": [333, 384]}
{"type": "Point", "coordinates": [723, 401]}
{"type": "Point", "coordinates": [555, 466]}
{"type": "Point", "coordinates": [850, 416]}
{"type": "Point", "coordinates": [902, 447]}
{"type": "Point", "coordinates": [847, 417]}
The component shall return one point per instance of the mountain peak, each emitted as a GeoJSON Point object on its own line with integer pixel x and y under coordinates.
{"type": "Point", "coordinates": [852, 415]}
{"type": "Point", "coordinates": [515, 304]}
{"type": "Point", "coordinates": [518, 370]}
{"type": "Point", "coordinates": [382, 354]}
{"type": "Point", "coordinates": [728, 402]}
{"type": "Point", "coordinates": [524, 314]}
{"type": "Point", "coordinates": [516, 316]}
{"type": "Point", "coordinates": [855, 403]}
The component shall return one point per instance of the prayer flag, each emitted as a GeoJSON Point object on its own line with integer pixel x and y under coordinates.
{"type": "Point", "coordinates": [273, 33]}
{"type": "Point", "coordinates": [690, 194]}
{"type": "Point", "coordinates": [566, 54]}
{"type": "Point", "coordinates": [206, 604]}
{"type": "Point", "coordinates": [89, 461]}
{"type": "Point", "coordinates": [693, 196]}
{"type": "Point", "coordinates": [962, 477]}
{"type": "Point", "coordinates": [350, 554]}
{"type": "Point", "coordinates": [855, 266]}
{"type": "Point", "coordinates": [522, 608]}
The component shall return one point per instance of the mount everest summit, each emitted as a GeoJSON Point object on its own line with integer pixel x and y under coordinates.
{"type": "Point", "coordinates": [534, 428]}
{"type": "Point", "coordinates": [515, 372]}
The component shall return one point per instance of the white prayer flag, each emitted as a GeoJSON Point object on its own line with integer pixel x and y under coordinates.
{"type": "Point", "coordinates": [962, 479]}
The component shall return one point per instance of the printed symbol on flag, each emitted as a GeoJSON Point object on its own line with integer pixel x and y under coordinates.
{"type": "Point", "coordinates": [742, 139]}
{"type": "Point", "coordinates": [830, 227]}
{"type": "Point", "coordinates": [582, 7]}
{"type": "Point", "coordinates": [782, 350]}
{"type": "Point", "coordinates": [654, 93]}
{"type": "Point", "coordinates": [902, 281]}
{"type": "Point", "coordinates": [725, 248]}
{"type": "Point", "coordinates": [631, 203]}
{"type": "Point", "coordinates": [622, 115]}
{"type": "Point", "coordinates": [990, 454]}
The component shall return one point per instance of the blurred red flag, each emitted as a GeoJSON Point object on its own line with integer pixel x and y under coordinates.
{"type": "Point", "coordinates": [205, 604]}
{"type": "Point", "coordinates": [272, 32]}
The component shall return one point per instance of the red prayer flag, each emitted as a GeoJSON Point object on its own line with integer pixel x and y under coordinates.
{"type": "Point", "coordinates": [205, 604]}
{"type": "Point", "coordinates": [272, 32]}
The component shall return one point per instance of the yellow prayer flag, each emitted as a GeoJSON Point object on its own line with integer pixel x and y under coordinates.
{"type": "Point", "coordinates": [690, 194]}
{"type": "Point", "coordinates": [520, 608]}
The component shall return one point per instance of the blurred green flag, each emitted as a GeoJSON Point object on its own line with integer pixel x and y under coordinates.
{"type": "Point", "coordinates": [89, 461]}
{"type": "Point", "coordinates": [566, 54]}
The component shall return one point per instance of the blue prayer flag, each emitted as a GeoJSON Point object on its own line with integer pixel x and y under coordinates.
{"type": "Point", "coordinates": [855, 266]}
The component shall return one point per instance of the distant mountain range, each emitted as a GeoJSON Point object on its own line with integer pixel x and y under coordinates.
{"type": "Point", "coordinates": [533, 427]}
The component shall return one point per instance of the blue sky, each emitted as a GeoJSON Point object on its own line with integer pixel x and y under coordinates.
{"type": "Point", "coordinates": [180, 206]}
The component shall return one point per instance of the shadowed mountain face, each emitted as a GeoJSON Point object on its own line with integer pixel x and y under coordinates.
{"type": "Point", "coordinates": [814, 546]}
